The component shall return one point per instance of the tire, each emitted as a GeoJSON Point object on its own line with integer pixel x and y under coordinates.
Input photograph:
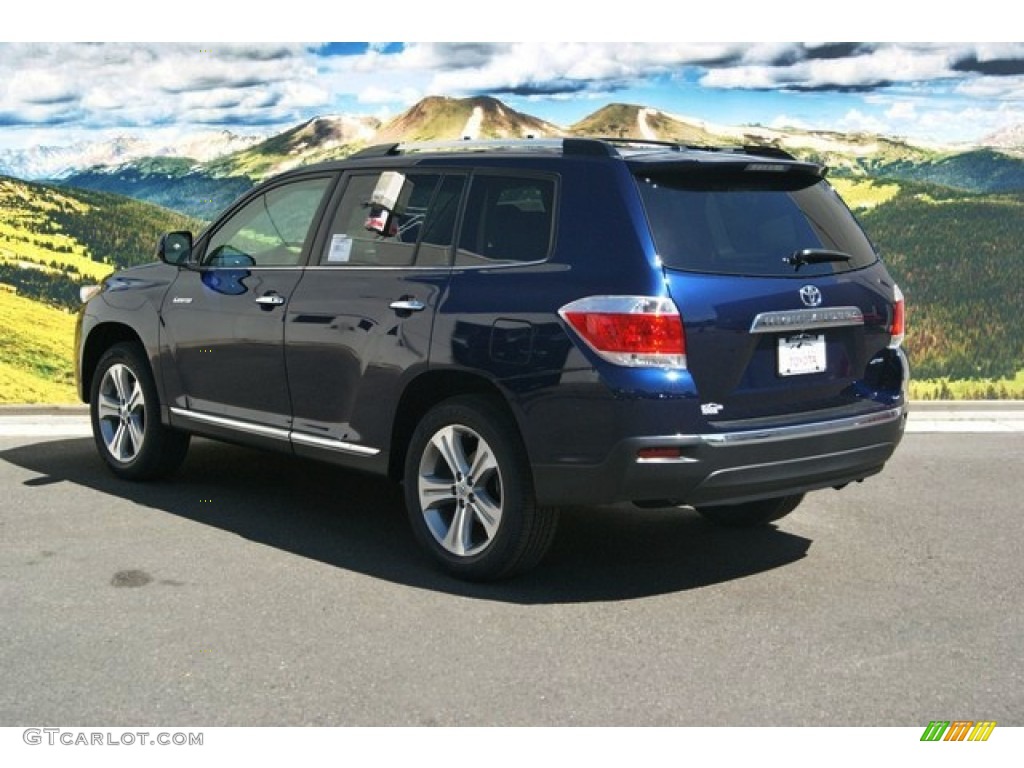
{"type": "Point", "coordinates": [125, 414]}
{"type": "Point", "coordinates": [469, 492]}
{"type": "Point", "coordinates": [752, 513]}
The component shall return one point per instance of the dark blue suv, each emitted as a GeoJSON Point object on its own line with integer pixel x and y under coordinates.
{"type": "Point", "coordinates": [508, 328]}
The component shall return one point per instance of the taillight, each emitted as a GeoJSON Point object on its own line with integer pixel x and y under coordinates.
{"type": "Point", "coordinates": [899, 319]}
{"type": "Point", "coordinates": [636, 331]}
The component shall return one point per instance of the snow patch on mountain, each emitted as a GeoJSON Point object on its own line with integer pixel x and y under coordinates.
{"type": "Point", "coordinates": [49, 162]}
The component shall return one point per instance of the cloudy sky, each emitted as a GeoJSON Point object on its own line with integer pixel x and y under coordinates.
{"type": "Point", "coordinates": [54, 94]}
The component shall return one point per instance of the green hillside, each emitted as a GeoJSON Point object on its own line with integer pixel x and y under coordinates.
{"type": "Point", "coordinates": [960, 262]}
{"type": "Point", "coordinates": [52, 241]}
{"type": "Point", "coordinates": [49, 232]}
{"type": "Point", "coordinates": [174, 183]}
{"type": "Point", "coordinates": [982, 170]}
{"type": "Point", "coordinates": [36, 357]}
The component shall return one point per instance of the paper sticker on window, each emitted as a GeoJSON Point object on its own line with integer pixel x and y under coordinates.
{"type": "Point", "coordinates": [341, 249]}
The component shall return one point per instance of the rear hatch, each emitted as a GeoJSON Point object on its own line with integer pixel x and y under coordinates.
{"type": "Point", "coordinates": [787, 310]}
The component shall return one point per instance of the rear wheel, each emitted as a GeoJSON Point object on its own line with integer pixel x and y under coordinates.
{"type": "Point", "coordinates": [469, 492]}
{"type": "Point", "coordinates": [125, 414]}
{"type": "Point", "coordinates": [752, 513]}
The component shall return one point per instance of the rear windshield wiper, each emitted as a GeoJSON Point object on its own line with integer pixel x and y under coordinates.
{"type": "Point", "coordinates": [814, 256]}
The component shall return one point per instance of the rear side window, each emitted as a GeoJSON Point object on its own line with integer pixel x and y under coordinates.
{"type": "Point", "coordinates": [508, 219]}
{"type": "Point", "coordinates": [395, 219]}
{"type": "Point", "coordinates": [751, 224]}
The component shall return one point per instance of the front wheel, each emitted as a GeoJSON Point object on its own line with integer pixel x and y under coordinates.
{"type": "Point", "coordinates": [752, 513]}
{"type": "Point", "coordinates": [125, 416]}
{"type": "Point", "coordinates": [469, 492]}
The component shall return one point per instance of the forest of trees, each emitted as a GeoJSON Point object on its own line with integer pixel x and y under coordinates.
{"type": "Point", "coordinates": [960, 262]}
{"type": "Point", "coordinates": [119, 230]}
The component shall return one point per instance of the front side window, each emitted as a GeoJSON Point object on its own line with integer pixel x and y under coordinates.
{"type": "Point", "coordinates": [508, 220]}
{"type": "Point", "coordinates": [271, 230]}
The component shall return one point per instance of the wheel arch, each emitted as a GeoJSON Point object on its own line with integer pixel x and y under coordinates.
{"type": "Point", "coordinates": [100, 339]}
{"type": "Point", "coordinates": [426, 391]}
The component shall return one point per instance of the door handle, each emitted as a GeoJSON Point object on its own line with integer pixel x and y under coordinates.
{"type": "Point", "coordinates": [270, 300]}
{"type": "Point", "coordinates": [408, 305]}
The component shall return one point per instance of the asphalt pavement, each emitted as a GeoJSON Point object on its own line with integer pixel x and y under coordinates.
{"type": "Point", "coordinates": [255, 589]}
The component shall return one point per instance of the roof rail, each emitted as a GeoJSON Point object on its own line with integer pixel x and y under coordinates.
{"type": "Point", "coordinates": [568, 145]}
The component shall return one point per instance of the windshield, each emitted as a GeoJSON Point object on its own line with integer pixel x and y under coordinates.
{"type": "Point", "coordinates": [750, 223]}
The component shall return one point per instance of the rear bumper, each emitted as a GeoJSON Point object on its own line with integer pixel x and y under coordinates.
{"type": "Point", "coordinates": [730, 467]}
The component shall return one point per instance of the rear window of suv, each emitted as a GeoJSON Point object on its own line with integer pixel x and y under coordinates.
{"type": "Point", "coordinates": [751, 223]}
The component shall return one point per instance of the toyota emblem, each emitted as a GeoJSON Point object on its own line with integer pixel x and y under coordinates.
{"type": "Point", "coordinates": [810, 295]}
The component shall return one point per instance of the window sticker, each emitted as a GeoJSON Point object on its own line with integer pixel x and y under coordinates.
{"type": "Point", "coordinates": [341, 249]}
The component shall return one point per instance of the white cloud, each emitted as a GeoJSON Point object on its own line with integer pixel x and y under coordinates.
{"type": "Point", "coordinates": [97, 85]}
{"type": "Point", "coordinates": [902, 110]}
{"type": "Point", "coordinates": [376, 95]}
{"type": "Point", "coordinates": [883, 65]}
{"type": "Point", "coordinates": [899, 87]}
{"type": "Point", "coordinates": [855, 121]}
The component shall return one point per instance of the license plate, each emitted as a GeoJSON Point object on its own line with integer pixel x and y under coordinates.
{"type": "Point", "coordinates": [801, 354]}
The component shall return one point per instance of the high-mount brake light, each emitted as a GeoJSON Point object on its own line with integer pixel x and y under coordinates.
{"type": "Point", "coordinates": [767, 167]}
{"type": "Point", "coordinates": [898, 328]}
{"type": "Point", "coordinates": [634, 331]}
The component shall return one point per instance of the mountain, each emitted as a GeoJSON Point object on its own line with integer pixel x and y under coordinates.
{"type": "Point", "coordinates": [203, 177]}
{"type": "Point", "coordinates": [636, 122]}
{"type": "Point", "coordinates": [979, 170]}
{"type": "Point", "coordinates": [322, 138]}
{"type": "Point", "coordinates": [1010, 139]}
{"type": "Point", "coordinates": [38, 163]}
{"type": "Point", "coordinates": [437, 118]}
{"type": "Point", "coordinates": [179, 184]}
{"type": "Point", "coordinates": [947, 220]}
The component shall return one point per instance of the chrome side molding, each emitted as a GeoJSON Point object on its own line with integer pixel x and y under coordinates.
{"type": "Point", "coordinates": [277, 433]}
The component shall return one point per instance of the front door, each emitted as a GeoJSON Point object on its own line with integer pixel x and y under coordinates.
{"type": "Point", "coordinates": [223, 322]}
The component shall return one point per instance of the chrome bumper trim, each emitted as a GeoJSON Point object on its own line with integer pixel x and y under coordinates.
{"type": "Point", "coordinates": [775, 434]}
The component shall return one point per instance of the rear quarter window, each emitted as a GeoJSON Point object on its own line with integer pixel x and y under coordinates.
{"type": "Point", "coordinates": [749, 223]}
{"type": "Point", "coordinates": [508, 219]}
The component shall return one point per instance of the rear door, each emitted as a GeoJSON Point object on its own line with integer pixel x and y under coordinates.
{"type": "Point", "coordinates": [360, 321]}
{"type": "Point", "coordinates": [783, 298]}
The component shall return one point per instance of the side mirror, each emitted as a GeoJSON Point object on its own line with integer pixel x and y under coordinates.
{"type": "Point", "coordinates": [175, 248]}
